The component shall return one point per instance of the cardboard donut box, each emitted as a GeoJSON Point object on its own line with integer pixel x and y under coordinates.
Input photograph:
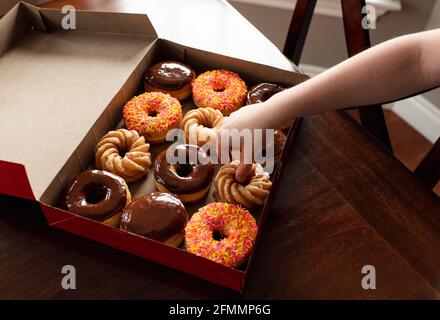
{"type": "Point", "coordinates": [62, 90]}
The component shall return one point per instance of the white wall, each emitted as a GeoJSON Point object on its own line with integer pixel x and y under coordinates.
{"type": "Point", "coordinates": [325, 45]}
{"type": "Point", "coordinates": [434, 21]}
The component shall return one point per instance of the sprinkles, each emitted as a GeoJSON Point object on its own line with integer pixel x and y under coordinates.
{"type": "Point", "coordinates": [233, 222]}
{"type": "Point", "coordinates": [219, 89]}
{"type": "Point", "coordinates": [152, 114]}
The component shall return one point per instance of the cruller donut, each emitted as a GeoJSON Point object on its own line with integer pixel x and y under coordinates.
{"type": "Point", "coordinates": [189, 179]}
{"type": "Point", "coordinates": [222, 232]}
{"type": "Point", "coordinates": [219, 89]}
{"type": "Point", "coordinates": [152, 114]}
{"type": "Point", "coordinates": [170, 77]}
{"type": "Point", "coordinates": [250, 194]}
{"type": "Point", "coordinates": [135, 160]}
{"type": "Point", "coordinates": [98, 195]}
{"type": "Point", "coordinates": [200, 125]}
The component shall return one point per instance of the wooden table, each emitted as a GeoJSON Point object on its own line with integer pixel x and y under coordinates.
{"type": "Point", "coordinates": [344, 202]}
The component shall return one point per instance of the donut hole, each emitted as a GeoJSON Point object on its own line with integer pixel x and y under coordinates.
{"type": "Point", "coordinates": [208, 125]}
{"type": "Point", "coordinates": [219, 87]}
{"type": "Point", "coordinates": [122, 152]}
{"type": "Point", "coordinates": [183, 170]}
{"type": "Point", "coordinates": [152, 114]}
{"type": "Point", "coordinates": [95, 193]}
{"type": "Point", "coordinates": [217, 235]}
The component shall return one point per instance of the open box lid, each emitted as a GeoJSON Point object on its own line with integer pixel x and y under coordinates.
{"type": "Point", "coordinates": [55, 83]}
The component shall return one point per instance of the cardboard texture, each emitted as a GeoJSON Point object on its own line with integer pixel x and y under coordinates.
{"type": "Point", "coordinates": [6, 5]}
{"type": "Point", "coordinates": [61, 91]}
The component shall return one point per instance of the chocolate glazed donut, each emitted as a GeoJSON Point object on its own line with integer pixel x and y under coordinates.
{"type": "Point", "coordinates": [170, 77]}
{"type": "Point", "coordinates": [98, 195]}
{"type": "Point", "coordinates": [158, 216]}
{"type": "Point", "coordinates": [261, 92]}
{"type": "Point", "coordinates": [188, 181]}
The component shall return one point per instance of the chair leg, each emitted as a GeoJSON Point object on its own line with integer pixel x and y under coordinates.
{"type": "Point", "coordinates": [356, 37]}
{"type": "Point", "coordinates": [373, 120]}
{"type": "Point", "coordinates": [299, 27]}
{"type": "Point", "coordinates": [357, 40]}
{"type": "Point", "coordinates": [428, 171]}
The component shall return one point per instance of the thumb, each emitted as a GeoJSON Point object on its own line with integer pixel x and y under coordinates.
{"type": "Point", "coordinates": [243, 172]}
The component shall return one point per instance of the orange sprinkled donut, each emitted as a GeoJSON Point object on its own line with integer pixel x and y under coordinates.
{"type": "Point", "coordinates": [152, 114]}
{"type": "Point", "coordinates": [221, 232]}
{"type": "Point", "coordinates": [219, 89]}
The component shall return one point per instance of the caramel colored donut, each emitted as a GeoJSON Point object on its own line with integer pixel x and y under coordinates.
{"type": "Point", "coordinates": [219, 89]}
{"type": "Point", "coordinates": [200, 125]}
{"type": "Point", "coordinates": [170, 77]}
{"type": "Point", "coordinates": [135, 162]}
{"type": "Point", "coordinates": [158, 216]}
{"type": "Point", "coordinates": [152, 114]}
{"type": "Point", "coordinates": [189, 181]}
{"type": "Point", "coordinates": [278, 145]}
{"type": "Point", "coordinates": [250, 194]}
{"type": "Point", "coordinates": [221, 232]}
{"type": "Point", "coordinates": [98, 195]}
{"type": "Point", "coordinates": [261, 92]}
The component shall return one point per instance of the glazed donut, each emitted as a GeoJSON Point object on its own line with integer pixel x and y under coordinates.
{"type": "Point", "coordinates": [221, 232]}
{"type": "Point", "coordinates": [249, 195]}
{"type": "Point", "coordinates": [170, 77]}
{"type": "Point", "coordinates": [189, 181]}
{"type": "Point", "coordinates": [152, 114]}
{"type": "Point", "coordinates": [219, 89]}
{"type": "Point", "coordinates": [278, 145]}
{"type": "Point", "coordinates": [261, 92]}
{"type": "Point", "coordinates": [200, 125]}
{"type": "Point", "coordinates": [98, 195]}
{"type": "Point", "coordinates": [136, 159]}
{"type": "Point", "coordinates": [158, 216]}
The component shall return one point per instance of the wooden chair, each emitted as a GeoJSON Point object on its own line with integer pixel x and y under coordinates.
{"type": "Point", "coordinates": [428, 171]}
{"type": "Point", "coordinates": [357, 39]}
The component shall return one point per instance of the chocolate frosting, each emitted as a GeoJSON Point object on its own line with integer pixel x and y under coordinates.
{"type": "Point", "coordinates": [193, 176]}
{"type": "Point", "coordinates": [96, 194]}
{"type": "Point", "coordinates": [261, 92]}
{"type": "Point", "coordinates": [157, 215]}
{"type": "Point", "coordinates": [169, 75]}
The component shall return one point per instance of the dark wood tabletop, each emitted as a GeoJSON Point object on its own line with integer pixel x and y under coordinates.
{"type": "Point", "coordinates": [343, 202]}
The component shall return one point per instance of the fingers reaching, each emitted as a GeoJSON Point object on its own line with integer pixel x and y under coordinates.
{"type": "Point", "coordinates": [243, 172]}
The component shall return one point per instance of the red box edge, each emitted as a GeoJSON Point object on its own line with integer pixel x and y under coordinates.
{"type": "Point", "coordinates": [292, 133]}
{"type": "Point", "coordinates": [148, 249]}
{"type": "Point", "coordinates": [14, 180]}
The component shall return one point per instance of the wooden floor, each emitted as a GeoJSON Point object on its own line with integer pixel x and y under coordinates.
{"type": "Point", "coordinates": [409, 146]}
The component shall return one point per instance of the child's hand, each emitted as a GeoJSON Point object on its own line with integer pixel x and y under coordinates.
{"type": "Point", "coordinates": [249, 117]}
